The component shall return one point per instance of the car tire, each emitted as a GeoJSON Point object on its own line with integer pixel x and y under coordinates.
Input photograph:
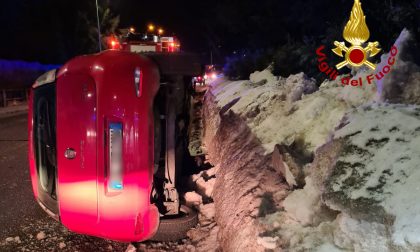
{"type": "Point", "coordinates": [176, 228]}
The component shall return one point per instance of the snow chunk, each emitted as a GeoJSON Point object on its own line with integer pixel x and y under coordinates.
{"type": "Point", "coordinates": [210, 172]}
{"type": "Point", "coordinates": [303, 204]}
{"type": "Point", "coordinates": [268, 242]}
{"type": "Point", "coordinates": [41, 235]}
{"type": "Point", "coordinates": [195, 177]}
{"type": "Point", "coordinates": [264, 76]}
{"type": "Point", "coordinates": [193, 199]}
{"type": "Point", "coordinates": [208, 211]}
{"type": "Point", "coordinates": [328, 247]}
{"type": "Point", "coordinates": [299, 85]}
{"type": "Point", "coordinates": [360, 235]}
{"type": "Point", "coordinates": [205, 188]}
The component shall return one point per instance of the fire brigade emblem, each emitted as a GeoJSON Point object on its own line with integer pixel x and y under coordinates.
{"type": "Point", "coordinates": [356, 33]}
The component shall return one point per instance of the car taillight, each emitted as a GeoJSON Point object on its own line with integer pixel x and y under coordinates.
{"type": "Point", "coordinates": [115, 172]}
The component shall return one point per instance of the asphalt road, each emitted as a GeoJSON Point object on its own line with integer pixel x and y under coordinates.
{"type": "Point", "coordinates": [23, 224]}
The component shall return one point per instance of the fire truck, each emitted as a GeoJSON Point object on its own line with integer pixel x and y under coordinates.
{"type": "Point", "coordinates": [108, 139]}
{"type": "Point", "coordinates": [143, 42]}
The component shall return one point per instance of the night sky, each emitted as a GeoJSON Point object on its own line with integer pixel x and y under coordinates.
{"type": "Point", "coordinates": [53, 31]}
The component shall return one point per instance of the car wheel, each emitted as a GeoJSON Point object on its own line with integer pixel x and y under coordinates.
{"type": "Point", "coordinates": [174, 228]}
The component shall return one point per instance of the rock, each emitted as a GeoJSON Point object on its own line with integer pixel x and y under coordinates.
{"type": "Point", "coordinates": [130, 248]}
{"type": "Point", "coordinates": [61, 245]}
{"type": "Point", "coordinates": [10, 239]}
{"type": "Point", "coordinates": [193, 199]}
{"type": "Point", "coordinates": [17, 239]}
{"type": "Point", "coordinates": [41, 235]}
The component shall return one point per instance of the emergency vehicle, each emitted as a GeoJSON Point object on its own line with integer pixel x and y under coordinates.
{"type": "Point", "coordinates": [143, 42]}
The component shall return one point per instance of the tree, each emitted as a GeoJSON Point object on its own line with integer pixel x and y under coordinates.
{"type": "Point", "coordinates": [87, 22]}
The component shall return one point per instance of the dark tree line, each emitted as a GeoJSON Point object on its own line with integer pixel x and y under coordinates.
{"type": "Point", "coordinates": [287, 33]}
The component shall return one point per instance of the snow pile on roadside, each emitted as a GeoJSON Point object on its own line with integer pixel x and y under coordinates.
{"type": "Point", "coordinates": [362, 189]}
{"type": "Point", "coordinates": [351, 158]}
{"type": "Point", "coordinates": [379, 169]}
{"type": "Point", "coordinates": [287, 111]}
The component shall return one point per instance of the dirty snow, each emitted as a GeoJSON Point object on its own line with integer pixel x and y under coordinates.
{"type": "Point", "coordinates": [205, 235]}
{"type": "Point", "coordinates": [204, 187]}
{"type": "Point", "coordinates": [193, 199]}
{"type": "Point", "coordinates": [391, 133]}
{"type": "Point", "coordinates": [268, 242]}
{"type": "Point", "coordinates": [303, 205]}
{"type": "Point", "coordinates": [285, 110]}
{"type": "Point", "coordinates": [385, 139]}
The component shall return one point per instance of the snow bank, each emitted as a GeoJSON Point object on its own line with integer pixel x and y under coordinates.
{"type": "Point", "coordinates": [245, 120]}
{"type": "Point", "coordinates": [357, 154]}
{"type": "Point", "coordinates": [378, 168]}
{"type": "Point", "coordinates": [361, 191]}
{"type": "Point", "coordinates": [245, 185]}
{"type": "Point", "coordinates": [282, 111]}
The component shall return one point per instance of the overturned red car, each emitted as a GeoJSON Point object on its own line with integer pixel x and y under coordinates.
{"type": "Point", "coordinates": [107, 142]}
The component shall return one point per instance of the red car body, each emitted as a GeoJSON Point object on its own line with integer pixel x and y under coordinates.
{"type": "Point", "coordinates": [91, 92]}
